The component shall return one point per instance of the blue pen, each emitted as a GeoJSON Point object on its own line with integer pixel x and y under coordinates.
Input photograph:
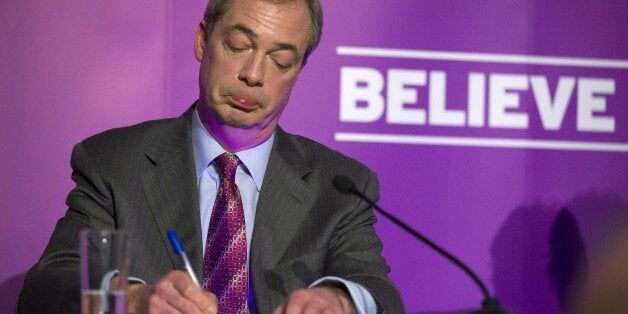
{"type": "Point", "coordinates": [177, 247]}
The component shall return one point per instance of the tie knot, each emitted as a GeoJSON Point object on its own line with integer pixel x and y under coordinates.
{"type": "Point", "coordinates": [227, 165]}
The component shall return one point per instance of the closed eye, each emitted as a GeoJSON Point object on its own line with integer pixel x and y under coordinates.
{"type": "Point", "coordinates": [284, 60]}
{"type": "Point", "coordinates": [281, 66]}
{"type": "Point", "coordinates": [235, 48]}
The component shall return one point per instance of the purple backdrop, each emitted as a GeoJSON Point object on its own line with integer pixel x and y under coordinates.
{"type": "Point", "coordinates": [527, 204]}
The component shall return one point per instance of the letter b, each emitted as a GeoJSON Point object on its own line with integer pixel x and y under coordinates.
{"type": "Point", "coordinates": [361, 85]}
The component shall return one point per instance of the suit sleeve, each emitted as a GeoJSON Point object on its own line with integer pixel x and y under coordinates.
{"type": "Point", "coordinates": [52, 285]}
{"type": "Point", "coordinates": [355, 253]}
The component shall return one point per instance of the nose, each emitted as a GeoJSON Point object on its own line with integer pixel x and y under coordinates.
{"type": "Point", "coordinates": [252, 72]}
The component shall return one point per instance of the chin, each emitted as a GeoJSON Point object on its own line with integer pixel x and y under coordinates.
{"type": "Point", "coordinates": [242, 119]}
{"type": "Point", "coordinates": [240, 123]}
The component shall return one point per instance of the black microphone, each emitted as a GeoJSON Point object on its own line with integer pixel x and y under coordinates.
{"type": "Point", "coordinates": [490, 305]}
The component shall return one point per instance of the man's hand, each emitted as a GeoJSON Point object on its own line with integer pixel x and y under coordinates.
{"type": "Point", "coordinates": [174, 293]}
{"type": "Point", "coordinates": [321, 299]}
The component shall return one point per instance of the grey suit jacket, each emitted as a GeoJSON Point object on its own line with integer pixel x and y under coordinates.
{"type": "Point", "coordinates": [142, 179]}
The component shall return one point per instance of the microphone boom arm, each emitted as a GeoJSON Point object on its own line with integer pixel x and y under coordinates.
{"type": "Point", "coordinates": [489, 304]}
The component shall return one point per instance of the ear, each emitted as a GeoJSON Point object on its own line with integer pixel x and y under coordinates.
{"type": "Point", "coordinates": [200, 40]}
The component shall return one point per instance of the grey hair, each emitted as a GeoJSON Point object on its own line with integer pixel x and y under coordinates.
{"type": "Point", "coordinates": [217, 8]}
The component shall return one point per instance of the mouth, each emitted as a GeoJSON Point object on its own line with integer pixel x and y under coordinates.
{"type": "Point", "coordinates": [245, 104]}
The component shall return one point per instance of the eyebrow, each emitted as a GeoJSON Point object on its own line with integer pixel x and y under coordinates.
{"type": "Point", "coordinates": [240, 27]}
{"type": "Point", "coordinates": [251, 34]}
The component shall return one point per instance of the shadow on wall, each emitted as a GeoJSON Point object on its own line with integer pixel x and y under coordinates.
{"type": "Point", "coordinates": [520, 255]}
{"type": "Point", "coordinates": [568, 267]}
{"type": "Point", "coordinates": [9, 291]}
{"type": "Point", "coordinates": [543, 252]}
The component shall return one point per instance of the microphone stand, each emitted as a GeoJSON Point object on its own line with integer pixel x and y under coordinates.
{"type": "Point", "coordinates": [490, 305]}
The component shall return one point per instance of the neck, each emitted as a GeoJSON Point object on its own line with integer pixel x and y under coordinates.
{"type": "Point", "coordinates": [232, 139]}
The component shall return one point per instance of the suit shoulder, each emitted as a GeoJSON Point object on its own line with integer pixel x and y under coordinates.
{"type": "Point", "coordinates": [126, 148]}
{"type": "Point", "coordinates": [120, 136]}
{"type": "Point", "coordinates": [321, 155]}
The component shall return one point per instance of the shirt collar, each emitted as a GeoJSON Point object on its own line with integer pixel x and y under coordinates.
{"type": "Point", "coordinates": [206, 148]}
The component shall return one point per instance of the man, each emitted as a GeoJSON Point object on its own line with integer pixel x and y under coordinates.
{"type": "Point", "coordinates": [307, 248]}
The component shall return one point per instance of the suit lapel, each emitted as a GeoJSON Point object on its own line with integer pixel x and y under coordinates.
{"type": "Point", "coordinates": [170, 187]}
{"type": "Point", "coordinates": [284, 201]}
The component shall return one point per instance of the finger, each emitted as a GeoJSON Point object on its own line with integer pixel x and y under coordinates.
{"type": "Point", "coordinates": [210, 305]}
{"type": "Point", "coordinates": [312, 307]}
{"type": "Point", "coordinates": [158, 305]}
{"type": "Point", "coordinates": [279, 310]}
{"type": "Point", "coordinates": [333, 298]}
{"type": "Point", "coordinates": [206, 302]}
{"type": "Point", "coordinates": [296, 301]}
{"type": "Point", "coordinates": [166, 290]}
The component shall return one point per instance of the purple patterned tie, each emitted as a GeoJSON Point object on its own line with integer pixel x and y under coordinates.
{"type": "Point", "coordinates": [224, 265]}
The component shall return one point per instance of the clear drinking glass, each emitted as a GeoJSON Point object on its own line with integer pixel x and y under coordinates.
{"type": "Point", "coordinates": [104, 270]}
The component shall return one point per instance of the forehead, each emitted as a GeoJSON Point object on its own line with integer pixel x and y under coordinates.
{"type": "Point", "coordinates": [284, 21]}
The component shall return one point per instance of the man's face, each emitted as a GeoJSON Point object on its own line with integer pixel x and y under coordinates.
{"type": "Point", "coordinates": [250, 62]}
